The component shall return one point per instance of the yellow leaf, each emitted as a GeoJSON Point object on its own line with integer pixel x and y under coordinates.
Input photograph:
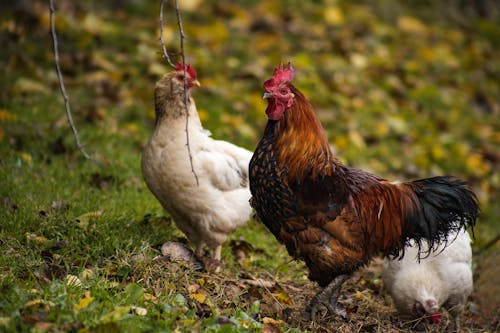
{"type": "Point", "coordinates": [411, 24]}
{"type": "Point", "coordinates": [381, 128]}
{"type": "Point", "coordinates": [156, 68]}
{"type": "Point", "coordinates": [359, 295]}
{"type": "Point", "coordinates": [283, 297]}
{"type": "Point", "coordinates": [95, 25]}
{"type": "Point", "coordinates": [86, 274]}
{"type": "Point", "coordinates": [437, 152]}
{"type": "Point", "coordinates": [4, 321]}
{"type": "Point", "coordinates": [25, 85]}
{"type": "Point", "coordinates": [26, 157]}
{"type": "Point", "coordinates": [358, 60]}
{"type": "Point", "coordinates": [6, 116]}
{"type": "Point", "coordinates": [115, 315]}
{"type": "Point", "coordinates": [189, 5]}
{"type": "Point", "coordinates": [84, 302]}
{"type": "Point", "coordinates": [200, 298]}
{"type": "Point", "coordinates": [333, 15]}
{"type": "Point", "coordinates": [203, 114]}
{"type": "Point", "coordinates": [96, 76]}
{"type": "Point", "coordinates": [38, 304]}
{"type": "Point", "coordinates": [476, 164]}
{"type": "Point", "coordinates": [267, 320]}
{"type": "Point", "coordinates": [132, 127]}
{"type": "Point", "coordinates": [150, 297]}
{"type": "Point", "coordinates": [356, 138]}
{"type": "Point", "coordinates": [83, 220]}
{"type": "Point", "coordinates": [37, 239]}
{"type": "Point", "coordinates": [341, 142]}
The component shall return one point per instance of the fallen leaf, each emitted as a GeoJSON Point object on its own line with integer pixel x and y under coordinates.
{"type": "Point", "coordinates": [268, 320]}
{"type": "Point", "coordinates": [84, 219]}
{"type": "Point", "coordinates": [115, 315]}
{"type": "Point", "coordinates": [150, 297]}
{"type": "Point", "coordinates": [139, 310]}
{"type": "Point", "coordinates": [270, 328]}
{"type": "Point", "coordinates": [72, 280]}
{"type": "Point", "coordinates": [200, 298]}
{"type": "Point", "coordinates": [6, 116]}
{"type": "Point", "coordinates": [25, 85]}
{"type": "Point", "coordinates": [333, 15]}
{"type": "Point", "coordinates": [283, 297]}
{"type": "Point", "coordinates": [83, 303]}
{"type": "Point", "coordinates": [4, 321]}
{"type": "Point", "coordinates": [38, 304]}
{"type": "Point", "coordinates": [411, 24]}
{"type": "Point", "coordinates": [259, 283]}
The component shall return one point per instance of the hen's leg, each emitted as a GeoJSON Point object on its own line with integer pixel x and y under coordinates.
{"type": "Point", "coordinates": [455, 307]}
{"type": "Point", "coordinates": [328, 298]}
{"type": "Point", "coordinates": [218, 253]}
{"type": "Point", "coordinates": [217, 258]}
{"type": "Point", "coordinates": [199, 250]}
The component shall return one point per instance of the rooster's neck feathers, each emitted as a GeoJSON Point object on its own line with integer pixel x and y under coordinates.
{"type": "Point", "coordinates": [301, 141]}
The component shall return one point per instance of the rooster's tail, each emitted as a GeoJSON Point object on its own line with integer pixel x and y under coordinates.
{"type": "Point", "coordinates": [444, 204]}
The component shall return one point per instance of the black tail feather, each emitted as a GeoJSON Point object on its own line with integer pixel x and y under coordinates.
{"type": "Point", "coordinates": [447, 204]}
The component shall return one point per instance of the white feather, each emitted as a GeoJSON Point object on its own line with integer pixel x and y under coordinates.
{"type": "Point", "coordinates": [207, 212]}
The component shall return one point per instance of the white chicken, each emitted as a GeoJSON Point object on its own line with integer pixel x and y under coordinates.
{"type": "Point", "coordinates": [442, 279]}
{"type": "Point", "coordinates": [210, 210]}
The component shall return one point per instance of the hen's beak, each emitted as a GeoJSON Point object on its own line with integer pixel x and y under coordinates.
{"type": "Point", "coordinates": [196, 83]}
{"type": "Point", "coordinates": [267, 95]}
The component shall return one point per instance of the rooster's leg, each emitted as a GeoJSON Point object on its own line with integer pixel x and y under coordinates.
{"type": "Point", "coordinates": [328, 297]}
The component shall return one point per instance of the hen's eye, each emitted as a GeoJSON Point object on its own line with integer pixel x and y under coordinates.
{"type": "Point", "coordinates": [180, 77]}
{"type": "Point", "coordinates": [283, 91]}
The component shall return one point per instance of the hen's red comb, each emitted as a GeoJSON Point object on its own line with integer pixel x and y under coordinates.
{"type": "Point", "coordinates": [281, 75]}
{"type": "Point", "coordinates": [190, 70]}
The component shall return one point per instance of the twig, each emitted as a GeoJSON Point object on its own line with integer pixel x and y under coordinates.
{"type": "Point", "coordinates": [164, 48]}
{"type": "Point", "coordinates": [181, 30]}
{"type": "Point", "coordinates": [61, 82]}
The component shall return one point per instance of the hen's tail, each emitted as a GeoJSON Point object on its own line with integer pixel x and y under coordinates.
{"type": "Point", "coordinates": [444, 204]}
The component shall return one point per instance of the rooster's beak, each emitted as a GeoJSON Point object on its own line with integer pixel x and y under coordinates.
{"type": "Point", "coordinates": [196, 83]}
{"type": "Point", "coordinates": [267, 95]}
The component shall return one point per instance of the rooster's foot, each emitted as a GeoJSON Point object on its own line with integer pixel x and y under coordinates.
{"type": "Point", "coordinates": [328, 298]}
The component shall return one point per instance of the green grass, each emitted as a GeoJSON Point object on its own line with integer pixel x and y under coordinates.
{"type": "Point", "coordinates": [401, 92]}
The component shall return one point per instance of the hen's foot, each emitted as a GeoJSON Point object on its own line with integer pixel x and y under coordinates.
{"type": "Point", "coordinates": [212, 265]}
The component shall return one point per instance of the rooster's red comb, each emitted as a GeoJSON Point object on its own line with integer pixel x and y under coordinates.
{"type": "Point", "coordinates": [281, 75]}
{"type": "Point", "coordinates": [190, 70]}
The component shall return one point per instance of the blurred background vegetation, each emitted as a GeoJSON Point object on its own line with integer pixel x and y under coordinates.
{"type": "Point", "coordinates": [404, 89]}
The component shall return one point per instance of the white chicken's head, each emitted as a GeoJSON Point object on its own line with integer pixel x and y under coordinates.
{"type": "Point", "coordinates": [171, 88]}
{"type": "Point", "coordinates": [427, 308]}
{"type": "Point", "coordinates": [173, 82]}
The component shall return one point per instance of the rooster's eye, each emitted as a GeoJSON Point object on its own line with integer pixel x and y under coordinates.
{"type": "Point", "coordinates": [283, 91]}
{"type": "Point", "coordinates": [180, 77]}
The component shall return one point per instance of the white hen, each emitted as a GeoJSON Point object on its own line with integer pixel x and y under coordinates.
{"type": "Point", "coordinates": [443, 279]}
{"type": "Point", "coordinates": [206, 212]}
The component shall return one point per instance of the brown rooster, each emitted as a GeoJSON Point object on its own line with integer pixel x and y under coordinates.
{"type": "Point", "coordinates": [337, 218]}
